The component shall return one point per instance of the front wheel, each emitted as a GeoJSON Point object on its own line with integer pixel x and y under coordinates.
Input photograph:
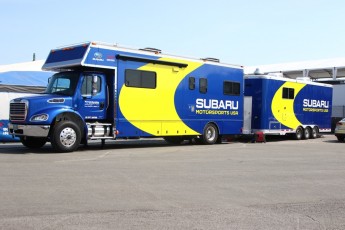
{"type": "Point", "coordinates": [210, 134]}
{"type": "Point", "coordinates": [341, 138]}
{"type": "Point", "coordinates": [65, 137]}
{"type": "Point", "coordinates": [33, 142]}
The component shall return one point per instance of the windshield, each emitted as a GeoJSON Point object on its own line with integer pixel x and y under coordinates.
{"type": "Point", "coordinates": [63, 83]}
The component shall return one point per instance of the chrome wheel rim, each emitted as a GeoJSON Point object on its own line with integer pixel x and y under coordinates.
{"type": "Point", "coordinates": [314, 133]}
{"type": "Point", "coordinates": [307, 133]}
{"type": "Point", "coordinates": [68, 137]}
{"type": "Point", "coordinates": [210, 134]}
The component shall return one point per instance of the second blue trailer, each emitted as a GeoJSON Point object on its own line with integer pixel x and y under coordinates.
{"type": "Point", "coordinates": [279, 106]}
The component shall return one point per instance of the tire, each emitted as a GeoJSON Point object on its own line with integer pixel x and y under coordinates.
{"type": "Point", "coordinates": [33, 142]}
{"type": "Point", "coordinates": [314, 133]}
{"type": "Point", "coordinates": [174, 140]}
{"type": "Point", "coordinates": [299, 133]}
{"type": "Point", "coordinates": [219, 139]}
{"type": "Point", "coordinates": [65, 137]}
{"type": "Point", "coordinates": [210, 134]}
{"type": "Point", "coordinates": [340, 138]}
{"type": "Point", "coordinates": [306, 133]}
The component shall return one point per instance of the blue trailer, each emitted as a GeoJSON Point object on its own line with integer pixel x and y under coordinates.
{"type": "Point", "coordinates": [105, 92]}
{"type": "Point", "coordinates": [281, 106]}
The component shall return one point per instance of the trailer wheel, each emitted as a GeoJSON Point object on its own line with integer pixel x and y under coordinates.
{"type": "Point", "coordinates": [299, 133]}
{"type": "Point", "coordinates": [33, 142]}
{"type": "Point", "coordinates": [306, 133]}
{"type": "Point", "coordinates": [210, 134]}
{"type": "Point", "coordinates": [66, 136]}
{"type": "Point", "coordinates": [314, 132]}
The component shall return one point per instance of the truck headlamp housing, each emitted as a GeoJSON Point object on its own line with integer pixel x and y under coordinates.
{"type": "Point", "coordinates": [39, 117]}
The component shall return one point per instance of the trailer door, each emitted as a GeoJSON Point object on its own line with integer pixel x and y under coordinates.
{"type": "Point", "coordinates": [247, 115]}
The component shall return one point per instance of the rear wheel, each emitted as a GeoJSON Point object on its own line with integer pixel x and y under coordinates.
{"type": "Point", "coordinates": [65, 137]}
{"type": "Point", "coordinates": [299, 133]}
{"type": "Point", "coordinates": [33, 142]}
{"type": "Point", "coordinates": [306, 133]}
{"type": "Point", "coordinates": [210, 134]}
{"type": "Point", "coordinates": [314, 132]}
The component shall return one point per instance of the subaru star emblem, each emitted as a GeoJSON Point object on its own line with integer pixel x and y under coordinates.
{"type": "Point", "coordinates": [98, 55]}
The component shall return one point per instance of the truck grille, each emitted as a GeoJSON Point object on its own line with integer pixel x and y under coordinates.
{"type": "Point", "coordinates": [18, 111]}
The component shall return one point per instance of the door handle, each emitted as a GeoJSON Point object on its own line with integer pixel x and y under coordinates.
{"type": "Point", "coordinates": [101, 105]}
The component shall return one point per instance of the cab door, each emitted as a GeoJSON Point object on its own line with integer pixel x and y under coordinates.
{"type": "Point", "coordinates": [93, 101]}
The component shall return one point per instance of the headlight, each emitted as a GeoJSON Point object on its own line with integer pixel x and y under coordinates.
{"type": "Point", "coordinates": [39, 117]}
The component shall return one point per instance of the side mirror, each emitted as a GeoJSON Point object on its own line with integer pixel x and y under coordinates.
{"type": "Point", "coordinates": [94, 85]}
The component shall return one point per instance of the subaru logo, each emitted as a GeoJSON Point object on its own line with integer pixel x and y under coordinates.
{"type": "Point", "coordinates": [98, 55]}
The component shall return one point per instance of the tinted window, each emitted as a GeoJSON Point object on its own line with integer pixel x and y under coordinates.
{"type": "Point", "coordinates": [288, 93]}
{"type": "Point", "coordinates": [140, 79]}
{"type": "Point", "coordinates": [203, 85]}
{"type": "Point", "coordinates": [231, 88]}
{"type": "Point", "coordinates": [86, 88]}
{"type": "Point", "coordinates": [192, 83]}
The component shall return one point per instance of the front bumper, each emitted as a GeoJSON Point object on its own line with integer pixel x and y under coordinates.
{"type": "Point", "coordinates": [339, 131]}
{"type": "Point", "coordinates": [29, 130]}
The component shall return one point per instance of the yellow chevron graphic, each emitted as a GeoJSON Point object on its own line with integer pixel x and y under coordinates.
{"type": "Point", "coordinates": [283, 109]}
{"type": "Point", "coordinates": [147, 108]}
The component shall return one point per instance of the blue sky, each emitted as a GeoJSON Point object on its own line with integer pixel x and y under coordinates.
{"type": "Point", "coordinates": [245, 32]}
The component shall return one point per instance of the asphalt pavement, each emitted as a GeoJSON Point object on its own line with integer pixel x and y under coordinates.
{"type": "Point", "coordinates": [148, 184]}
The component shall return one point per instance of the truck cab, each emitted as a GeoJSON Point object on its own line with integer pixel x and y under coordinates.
{"type": "Point", "coordinates": [74, 103]}
{"type": "Point", "coordinates": [87, 92]}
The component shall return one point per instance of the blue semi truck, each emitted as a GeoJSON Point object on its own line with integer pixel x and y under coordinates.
{"type": "Point", "coordinates": [103, 92]}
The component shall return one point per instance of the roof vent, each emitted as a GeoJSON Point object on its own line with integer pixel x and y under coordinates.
{"type": "Point", "coordinates": [258, 72]}
{"type": "Point", "coordinates": [210, 59]}
{"type": "Point", "coordinates": [153, 50]}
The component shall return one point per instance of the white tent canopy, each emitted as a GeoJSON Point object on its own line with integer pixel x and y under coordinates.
{"type": "Point", "coordinates": [332, 69]}
{"type": "Point", "coordinates": [23, 66]}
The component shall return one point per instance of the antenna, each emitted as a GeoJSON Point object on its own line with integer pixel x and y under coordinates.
{"type": "Point", "coordinates": [210, 59]}
{"type": "Point", "coordinates": [150, 49]}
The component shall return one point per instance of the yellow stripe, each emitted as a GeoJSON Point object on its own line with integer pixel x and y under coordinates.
{"type": "Point", "coordinates": [283, 109]}
{"type": "Point", "coordinates": [153, 110]}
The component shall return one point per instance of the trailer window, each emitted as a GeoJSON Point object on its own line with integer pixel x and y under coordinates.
{"type": "Point", "coordinates": [191, 83]}
{"type": "Point", "coordinates": [203, 85]}
{"type": "Point", "coordinates": [231, 88]}
{"type": "Point", "coordinates": [288, 93]}
{"type": "Point", "coordinates": [140, 79]}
